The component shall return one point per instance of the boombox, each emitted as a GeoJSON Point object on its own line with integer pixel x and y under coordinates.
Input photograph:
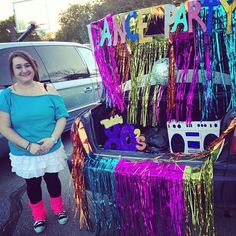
{"type": "Point", "coordinates": [192, 138]}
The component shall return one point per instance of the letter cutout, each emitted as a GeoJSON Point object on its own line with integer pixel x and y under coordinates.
{"type": "Point", "coordinates": [170, 15]}
{"type": "Point", "coordinates": [118, 31]}
{"type": "Point", "coordinates": [210, 4]}
{"type": "Point", "coordinates": [105, 34]}
{"type": "Point", "coordinates": [132, 37]}
{"type": "Point", "coordinates": [141, 145]}
{"type": "Point", "coordinates": [127, 138]}
{"type": "Point", "coordinates": [142, 26]}
{"type": "Point", "coordinates": [194, 8]}
{"type": "Point", "coordinates": [180, 18]}
{"type": "Point", "coordinates": [229, 9]}
{"type": "Point", "coordinates": [113, 137]}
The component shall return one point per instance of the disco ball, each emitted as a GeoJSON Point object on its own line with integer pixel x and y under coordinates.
{"type": "Point", "coordinates": [160, 71]}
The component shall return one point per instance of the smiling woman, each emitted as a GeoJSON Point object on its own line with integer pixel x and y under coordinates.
{"type": "Point", "coordinates": [33, 117]}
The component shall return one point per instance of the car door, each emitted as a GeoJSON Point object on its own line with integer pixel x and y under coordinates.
{"type": "Point", "coordinates": [88, 56]}
{"type": "Point", "coordinates": [69, 75]}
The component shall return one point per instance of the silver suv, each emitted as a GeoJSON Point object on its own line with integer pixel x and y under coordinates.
{"type": "Point", "coordinates": [69, 67]}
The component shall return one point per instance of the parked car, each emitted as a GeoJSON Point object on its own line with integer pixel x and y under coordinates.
{"type": "Point", "coordinates": [69, 67]}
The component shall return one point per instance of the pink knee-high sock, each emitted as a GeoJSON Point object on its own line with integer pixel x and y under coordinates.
{"type": "Point", "coordinates": [38, 210]}
{"type": "Point", "coordinates": [57, 204]}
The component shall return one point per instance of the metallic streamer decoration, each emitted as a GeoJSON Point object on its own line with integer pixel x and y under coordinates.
{"type": "Point", "coordinates": [100, 181]}
{"type": "Point", "coordinates": [230, 43]}
{"type": "Point", "coordinates": [150, 198]}
{"type": "Point", "coordinates": [213, 50]}
{"type": "Point", "coordinates": [145, 103]}
{"type": "Point", "coordinates": [171, 82]}
{"type": "Point", "coordinates": [143, 57]}
{"type": "Point", "coordinates": [198, 190]}
{"type": "Point", "coordinates": [123, 61]}
{"type": "Point", "coordinates": [183, 53]}
{"type": "Point", "coordinates": [155, 116]}
{"type": "Point", "coordinates": [156, 111]}
{"type": "Point", "coordinates": [143, 197]}
{"type": "Point", "coordinates": [191, 93]}
{"type": "Point", "coordinates": [207, 84]}
{"type": "Point", "coordinates": [105, 58]}
{"type": "Point", "coordinates": [81, 147]}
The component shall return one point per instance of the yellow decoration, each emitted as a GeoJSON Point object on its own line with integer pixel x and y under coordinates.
{"type": "Point", "coordinates": [142, 26]}
{"type": "Point", "coordinates": [112, 121]}
{"type": "Point", "coordinates": [229, 9]}
{"type": "Point", "coordinates": [137, 132]}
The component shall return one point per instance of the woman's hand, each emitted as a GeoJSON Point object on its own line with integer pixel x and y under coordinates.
{"type": "Point", "coordinates": [45, 145]}
{"type": "Point", "coordinates": [35, 148]}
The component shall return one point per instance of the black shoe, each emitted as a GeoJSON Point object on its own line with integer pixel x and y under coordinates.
{"type": "Point", "coordinates": [39, 226]}
{"type": "Point", "coordinates": [62, 218]}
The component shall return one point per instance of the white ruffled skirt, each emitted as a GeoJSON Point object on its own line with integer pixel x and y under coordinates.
{"type": "Point", "coordinates": [35, 166]}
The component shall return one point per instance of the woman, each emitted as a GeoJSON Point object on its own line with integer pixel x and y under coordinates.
{"type": "Point", "coordinates": [33, 117]}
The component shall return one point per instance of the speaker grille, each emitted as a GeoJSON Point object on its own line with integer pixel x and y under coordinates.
{"type": "Point", "coordinates": [177, 143]}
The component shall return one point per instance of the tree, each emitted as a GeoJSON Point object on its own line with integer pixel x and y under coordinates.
{"type": "Point", "coordinates": [75, 19]}
{"type": "Point", "coordinates": [105, 7]}
{"type": "Point", "coordinates": [74, 22]}
{"type": "Point", "coordinates": [7, 30]}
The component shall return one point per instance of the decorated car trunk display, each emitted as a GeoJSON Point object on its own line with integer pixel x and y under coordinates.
{"type": "Point", "coordinates": [148, 160]}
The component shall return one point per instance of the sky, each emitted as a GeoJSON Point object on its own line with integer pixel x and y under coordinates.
{"type": "Point", "coordinates": [53, 7]}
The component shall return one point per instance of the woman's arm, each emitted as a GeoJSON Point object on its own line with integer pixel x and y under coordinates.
{"type": "Point", "coordinates": [9, 133]}
{"type": "Point", "coordinates": [12, 136]}
{"type": "Point", "coordinates": [60, 125]}
{"type": "Point", "coordinates": [47, 143]}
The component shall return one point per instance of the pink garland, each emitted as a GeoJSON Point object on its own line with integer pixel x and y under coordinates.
{"type": "Point", "coordinates": [105, 58]}
{"type": "Point", "coordinates": [191, 92]}
{"type": "Point", "coordinates": [180, 89]}
{"type": "Point", "coordinates": [150, 198]}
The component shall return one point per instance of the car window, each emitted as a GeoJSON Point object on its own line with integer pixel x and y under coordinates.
{"type": "Point", "coordinates": [89, 59]}
{"type": "Point", "coordinates": [62, 62]}
{"type": "Point", "coordinates": [5, 78]}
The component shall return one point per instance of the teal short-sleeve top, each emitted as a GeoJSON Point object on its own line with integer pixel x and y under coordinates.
{"type": "Point", "coordinates": [32, 117]}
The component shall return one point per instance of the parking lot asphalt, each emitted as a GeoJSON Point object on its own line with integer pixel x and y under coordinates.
{"type": "Point", "coordinates": [16, 219]}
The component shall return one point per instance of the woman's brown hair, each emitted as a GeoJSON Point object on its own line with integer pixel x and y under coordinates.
{"type": "Point", "coordinates": [28, 58]}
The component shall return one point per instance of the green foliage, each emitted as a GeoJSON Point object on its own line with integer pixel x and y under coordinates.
{"type": "Point", "coordinates": [6, 27]}
{"type": "Point", "coordinates": [75, 19]}
{"type": "Point", "coordinates": [73, 23]}
{"type": "Point", "coordinates": [121, 6]}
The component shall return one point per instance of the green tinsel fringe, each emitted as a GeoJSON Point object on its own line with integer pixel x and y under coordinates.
{"type": "Point", "coordinates": [198, 193]}
{"type": "Point", "coordinates": [142, 60]}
